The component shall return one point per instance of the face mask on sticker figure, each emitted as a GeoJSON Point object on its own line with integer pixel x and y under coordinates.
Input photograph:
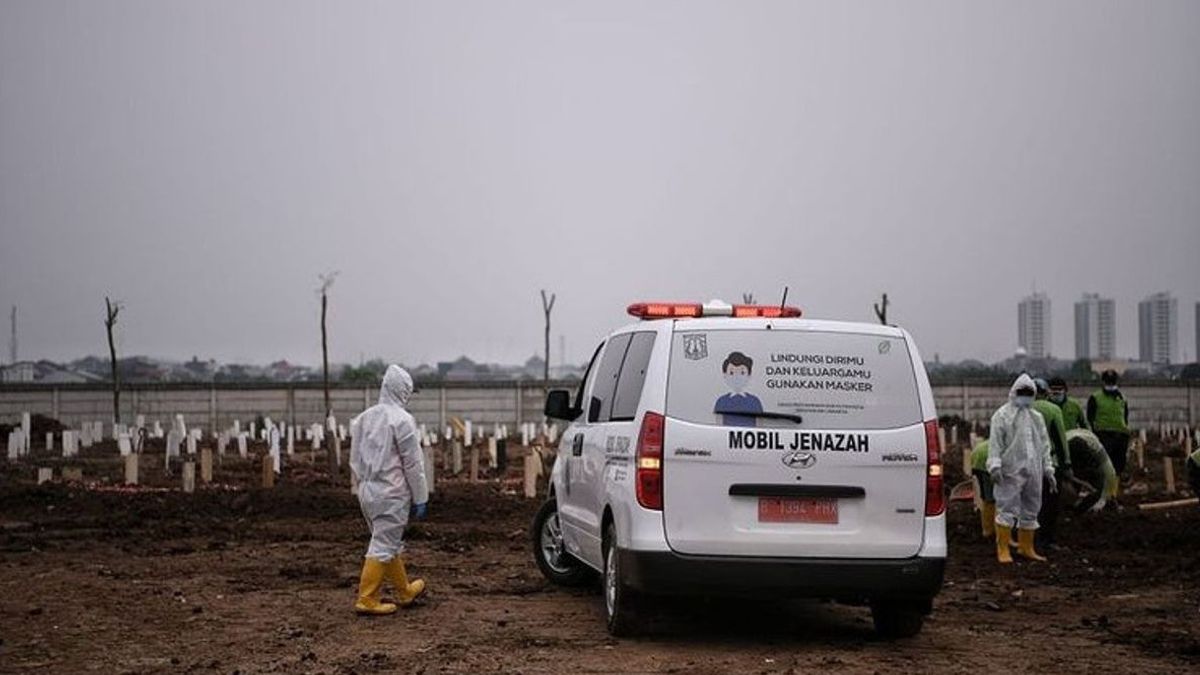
{"type": "Point", "coordinates": [738, 380]}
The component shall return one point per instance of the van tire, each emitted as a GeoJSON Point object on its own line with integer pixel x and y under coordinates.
{"type": "Point", "coordinates": [620, 601]}
{"type": "Point", "coordinates": [897, 620]}
{"type": "Point", "coordinates": [565, 569]}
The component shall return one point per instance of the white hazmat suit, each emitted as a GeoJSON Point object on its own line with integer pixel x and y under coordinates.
{"type": "Point", "coordinates": [387, 461]}
{"type": "Point", "coordinates": [1019, 447]}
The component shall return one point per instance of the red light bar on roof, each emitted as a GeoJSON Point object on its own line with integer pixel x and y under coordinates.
{"type": "Point", "coordinates": [692, 310]}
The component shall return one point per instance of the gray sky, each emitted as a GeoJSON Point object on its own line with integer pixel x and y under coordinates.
{"type": "Point", "coordinates": [204, 161]}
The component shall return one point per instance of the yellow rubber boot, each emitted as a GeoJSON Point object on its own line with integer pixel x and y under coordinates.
{"type": "Point", "coordinates": [987, 519]}
{"type": "Point", "coordinates": [1003, 538]}
{"type": "Point", "coordinates": [406, 591]}
{"type": "Point", "coordinates": [1025, 545]}
{"type": "Point", "coordinates": [368, 589]}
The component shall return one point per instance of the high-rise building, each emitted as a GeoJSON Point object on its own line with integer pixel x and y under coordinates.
{"type": "Point", "coordinates": [1158, 324]}
{"type": "Point", "coordinates": [1033, 325]}
{"type": "Point", "coordinates": [1095, 327]}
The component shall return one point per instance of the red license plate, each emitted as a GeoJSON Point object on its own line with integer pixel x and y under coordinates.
{"type": "Point", "coordinates": [797, 510]}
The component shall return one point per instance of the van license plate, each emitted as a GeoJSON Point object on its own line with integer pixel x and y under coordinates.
{"type": "Point", "coordinates": [796, 510]}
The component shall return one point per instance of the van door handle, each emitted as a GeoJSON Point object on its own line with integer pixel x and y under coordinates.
{"type": "Point", "coordinates": [577, 445]}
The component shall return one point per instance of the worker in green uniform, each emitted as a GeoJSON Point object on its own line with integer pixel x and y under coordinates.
{"type": "Point", "coordinates": [983, 482]}
{"type": "Point", "coordinates": [1108, 416]}
{"type": "Point", "coordinates": [1091, 465]}
{"type": "Point", "coordinates": [1072, 412]}
{"type": "Point", "coordinates": [1061, 458]}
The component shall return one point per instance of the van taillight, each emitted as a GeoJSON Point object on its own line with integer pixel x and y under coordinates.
{"type": "Point", "coordinates": [649, 462]}
{"type": "Point", "coordinates": [935, 496]}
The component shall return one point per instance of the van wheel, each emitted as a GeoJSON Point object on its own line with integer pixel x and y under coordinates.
{"type": "Point", "coordinates": [897, 620]}
{"type": "Point", "coordinates": [550, 553]}
{"type": "Point", "coordinates": [620, 601]}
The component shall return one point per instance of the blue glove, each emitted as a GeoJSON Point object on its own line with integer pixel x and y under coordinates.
{"type": "Point", "coordinates": [419, 510]}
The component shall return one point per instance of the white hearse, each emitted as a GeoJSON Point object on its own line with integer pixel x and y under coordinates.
{"type": "Point", "coordinates": [717, 449]}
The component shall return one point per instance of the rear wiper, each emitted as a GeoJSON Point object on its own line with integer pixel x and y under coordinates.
{"type": "Point", "coordinates": [763, 415]}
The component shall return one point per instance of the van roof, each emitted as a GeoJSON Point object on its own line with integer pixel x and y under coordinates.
{"type": "Point", "coordinates": [729, 323]}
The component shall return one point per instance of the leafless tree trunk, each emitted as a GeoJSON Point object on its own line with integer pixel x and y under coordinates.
{"type": "Point", "coordinates": [881, 310]}
{"type": "Point", "coordinates": [547, 306]}
{"type": "Point", "coordinates": [326, 283]}
{"type": "Point", "coordinates": [110, 320]}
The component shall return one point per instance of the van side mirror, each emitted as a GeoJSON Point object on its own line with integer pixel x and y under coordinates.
{"type": "Point", "coordinates": [558, 406]}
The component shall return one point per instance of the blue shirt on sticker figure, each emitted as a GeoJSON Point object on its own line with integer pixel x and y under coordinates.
{"type": "Point", "coordinates": [736, 369]}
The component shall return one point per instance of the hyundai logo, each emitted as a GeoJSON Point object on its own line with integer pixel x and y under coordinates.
{"type": "Point", "coordinates": [798, 459]}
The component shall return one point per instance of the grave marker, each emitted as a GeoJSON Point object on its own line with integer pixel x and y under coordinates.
{"type": "Point", "coordinates": [72, 474]}
{"type": "Point", "coordinates": [131, 470]}
{"type": "Point", "coordinates": [206, 465]}
{"type": "Point", "coordinates": [45, 475]}
{"type": "Point", "coordinates": [1169, 474]}
{"type": "Point", "coordinates": [430, 470]}
{"type": "Point", "coordinates": [189, 477]}
{"type": "Point", "coordinates": [531, 470]}
{"type": "Point", "coordinates": [268, 472]}
{"type": "Point", "coordinates": [474, 476]}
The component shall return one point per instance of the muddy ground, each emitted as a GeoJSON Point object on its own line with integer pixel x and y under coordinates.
{"type": "Point", "coordinates": [235, 578]}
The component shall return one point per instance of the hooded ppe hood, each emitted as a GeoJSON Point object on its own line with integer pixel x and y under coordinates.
{"type": "Point", "coordinates": [1023, 381]}
{"type": "Point", "coordinates": [397, 387]}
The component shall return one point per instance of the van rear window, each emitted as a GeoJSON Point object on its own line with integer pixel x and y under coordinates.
{"type": "Point", "coordinates": [831, 380]}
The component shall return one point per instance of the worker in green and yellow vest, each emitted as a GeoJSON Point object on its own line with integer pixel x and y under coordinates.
{"type": "Point", "coordinates": [1061, 457]}
{"type": "Point", "coordinates": [1108, 416]}
{"type": "Point", "coordinates": [1072, 412]}
{"type": "Point", "coordinates": [1090, 464]}
{"type": "Point", "coordinates": [983, 482]}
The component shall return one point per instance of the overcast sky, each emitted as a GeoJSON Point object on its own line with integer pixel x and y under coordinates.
{"type": "Point", "coordinates": [204, 161]}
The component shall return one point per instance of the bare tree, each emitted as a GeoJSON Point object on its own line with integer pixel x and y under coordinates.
{"type": "Point", "coordinates": [335, 449]}
{"type": "Point", "coordinates": [547, 306]}
{"type": "Point", "coordinates": [747, 298]}
{"type": "Point", "coordinates": [881, 310]}
{"type": "Point", "coordinates": [326, 284]}
{"type": "Point", "coordinates": [111, 309]}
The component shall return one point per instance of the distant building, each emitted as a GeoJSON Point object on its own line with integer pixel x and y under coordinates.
{"type": "Point", "coordinates": [43, 372]}
{"type": "Point", "coordinates": [1033, 325]}
{"type": "Point", "coordinates": [1158, 324]}
{"type": "Point", "coordinates": [1095, 327]}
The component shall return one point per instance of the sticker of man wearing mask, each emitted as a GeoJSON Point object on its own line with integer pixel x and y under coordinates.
{"type": "Point", "coordinates": [736, 369]}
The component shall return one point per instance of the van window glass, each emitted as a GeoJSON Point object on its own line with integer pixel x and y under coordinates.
{"type": "Point", "coordinates": [600, 404]}
{"type": "Point", "coordinates": [832, 380]}
{"type": "Point", "coordinates": [588, 376]}
{"type": "Point", "coordinates": [632, 377]}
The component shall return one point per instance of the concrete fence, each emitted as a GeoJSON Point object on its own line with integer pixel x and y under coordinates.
{"type": "Point", "coordinates": [215, 407]}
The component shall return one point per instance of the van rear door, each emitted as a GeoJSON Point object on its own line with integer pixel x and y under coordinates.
{"type": "Point", "coordinates": [797, 441]}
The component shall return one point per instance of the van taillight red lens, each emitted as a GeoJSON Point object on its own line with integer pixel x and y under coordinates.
{"type": "Point", "coordinates": [649, 462]}
{"type": "Point", "coordinates": [935, 495]}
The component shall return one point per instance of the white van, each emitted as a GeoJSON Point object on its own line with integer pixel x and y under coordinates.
{"type": "Point", "coordinates": [741, 450]}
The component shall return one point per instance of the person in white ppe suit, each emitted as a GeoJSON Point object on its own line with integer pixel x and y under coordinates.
{"type": "Point", "coordinates": [1018, 461]}
{"type": "Point", "coordinates": [387, 461]}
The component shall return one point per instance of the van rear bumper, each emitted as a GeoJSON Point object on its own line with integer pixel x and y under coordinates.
{"type": "Point", "coordinates": [666, 572]}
